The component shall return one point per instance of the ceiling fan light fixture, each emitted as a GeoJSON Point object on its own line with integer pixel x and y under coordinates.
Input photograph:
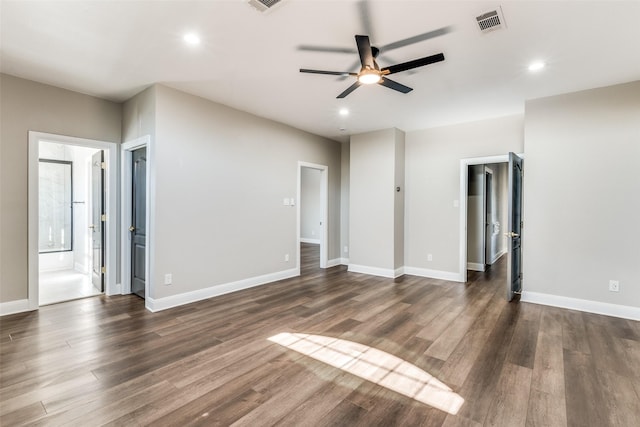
{"type": "Point", "coordinates": [369, 77]}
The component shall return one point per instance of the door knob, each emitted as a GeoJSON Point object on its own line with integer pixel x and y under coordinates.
{"type": "Point", "coordinates": [92, 227]}
{"type": "Point", "coordinates": [132, 228]}
{"type": "Point", "coordinates": [512, 234]}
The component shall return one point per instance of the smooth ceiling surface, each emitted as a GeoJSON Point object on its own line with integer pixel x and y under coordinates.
{"type": "Point", "coordinates": [250, 60]}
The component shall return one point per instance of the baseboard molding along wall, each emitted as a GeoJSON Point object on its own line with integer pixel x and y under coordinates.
{"type": "Point", "coordinates": [475, 266]}
{"type": "Point", "coordinates": [313, 241]}
{"type": "Point", "coordinates": [614, 310]}
{"type": "Point", "coordinates": [376, 271]}
{"type": "Point", "coordinates": [165, 303]}
{"type": "Point", "coordinates": [434, 274]}
{"type": "Point", "coordinates": [498, 256]}
{"type": "Point", "coordinates": [13, 307]}
{"type": "Point", "coordinates": [336, 261]}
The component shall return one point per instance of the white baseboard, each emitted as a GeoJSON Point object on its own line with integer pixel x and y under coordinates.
{"type": "Point", "coordinates": [498, 256]}
{"type": "Point", "coordinates": [615, 310]}
{"type": "Point", "coordinates": [475, 266]}
{"type": "Point", "coordinates": [117, 290]}
{"type": "Point", "coordinates": [306, 240]}
{"type": "Point", "coordinates": [188, 297]}
{"type": "Point", "coordinates": [434, 274]}
{"type": "Point", "coordinates": [12, 307]}
{"type": "Point", "coordinates": [337, 261]}
{"type": "Point", "coordinates": [376, 271]}
{"type": "Point", "coordinates": [80, 268]}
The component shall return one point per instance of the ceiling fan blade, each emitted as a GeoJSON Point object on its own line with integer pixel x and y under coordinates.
{"type": "Point", "coordinates": [333, 73]}
{"type": "Point", "coordinates": [414, 64]}
{"type": "Point", "coordinates": [326, 49]}
{"type": "Point", "coordinates": [418, 38]}
{"type": "Point", "coordinates": [395, 85]}
{"type": "Point", "coordinates": [364, 50]}
{"type": "Point", "coordinates": [350, 89]}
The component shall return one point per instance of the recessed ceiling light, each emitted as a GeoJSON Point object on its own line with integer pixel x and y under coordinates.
{"type": "Point", "coordinates": [344, 112]}
{"type": "Point", "coordinates": [191, 39]}
{"type": "Point", "coordinates": [536, 66]}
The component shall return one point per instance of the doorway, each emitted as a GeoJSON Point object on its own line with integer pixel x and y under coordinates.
{"type": "Point", "coordinates": [312, 212]}
{"type": "Point", "coordinates": [137, 218]}
{"type": "Point", "coordinates": [486, 214]}
{"type": "Point", "coordinates": [138, 228]}
{"type": "Point", "coordinates": [497, 220]}
{"type": "Point", "coordinates": [70, 248]}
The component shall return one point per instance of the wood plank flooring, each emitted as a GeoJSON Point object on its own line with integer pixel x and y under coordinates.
{"type": "Point", "coordinates": [107, 361]}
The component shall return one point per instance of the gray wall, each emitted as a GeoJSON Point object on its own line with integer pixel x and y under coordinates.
{"type": "Point", "coordinates": [139, 116]}
{"type": "Point", "coordinates": [398, 214]}
{"type": "Point", "coordinates": [432, 222]}
{"type": "Point", "coordinates": [221, 176]}
{"type": "Point", "coordinates": [581, 186]}
{"type": "Point", "coordinates": [28, 106]}
{"type": "Point", "coordinates": [310, 214]}
{"type": "Point", "coordinates": [344, 200]}
{"type": "Point", "coordinates": [372, 201]}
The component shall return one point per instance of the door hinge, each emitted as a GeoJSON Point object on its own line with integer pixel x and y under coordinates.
{"type": "Point", "coordinates": [103, 270]}
{"type": "Point", "coordinates": [103, 165]}
{"type": "Point", "coordinates": [103, 217]}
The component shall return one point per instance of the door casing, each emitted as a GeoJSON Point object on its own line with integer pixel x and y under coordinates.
{"type": "Point", "coordinates": [324, 212]}
{"type": "Point", "coordinates": [111, 176]}
{"type": "Point", "coordinates": [464, 191]}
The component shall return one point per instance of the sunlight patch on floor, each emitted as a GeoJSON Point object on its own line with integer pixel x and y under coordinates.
{"type": "Point", "coordinates": [376, 366]}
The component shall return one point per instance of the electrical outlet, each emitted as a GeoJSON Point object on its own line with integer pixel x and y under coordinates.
{"type": "Point", "coordinates": [168, 279]}
{"type": "Point", "coordinates": [614, 286]}
{"type": "Point", "coordinates": [286, 257]}
{"type": "Point", "coordinates": [429, 257]}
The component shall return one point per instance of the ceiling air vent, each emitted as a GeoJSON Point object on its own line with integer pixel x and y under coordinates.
{"type": "Point", "coordinates": [263, 5]}
{"type": "Point", "coordinates": [491, 21]}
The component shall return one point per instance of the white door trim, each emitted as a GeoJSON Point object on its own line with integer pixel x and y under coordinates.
{"type": "Point", "coordinates": [126, 209]}
{"type": "Point", "coordinates": [111, 179]}
{"type": "Point", "coordinates": [324, 211]}
{"type": "Point", "coordinates": [464, 176]}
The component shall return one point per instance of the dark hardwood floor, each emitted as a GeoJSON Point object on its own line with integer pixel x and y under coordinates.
{"type": "Point", "coordinates": [107, 361]}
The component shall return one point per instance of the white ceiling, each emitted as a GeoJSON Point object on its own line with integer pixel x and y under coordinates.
{"type": "Point", "coordinates": [250, 60]}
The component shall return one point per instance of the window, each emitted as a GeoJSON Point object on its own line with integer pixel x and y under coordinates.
{"type": "Point", "coordinates": [56, 209]}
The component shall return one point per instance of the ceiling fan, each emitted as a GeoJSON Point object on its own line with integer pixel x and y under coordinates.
{"type": "Point", "coordinates": [371, 73]}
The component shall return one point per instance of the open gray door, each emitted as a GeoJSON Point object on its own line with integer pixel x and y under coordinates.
{"type": "Point", "coordinates": [138, 227]}
{"type": "Point", "coordinates": [97, 220]}
{"type": "Point", "coordinates": [514, 245]}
